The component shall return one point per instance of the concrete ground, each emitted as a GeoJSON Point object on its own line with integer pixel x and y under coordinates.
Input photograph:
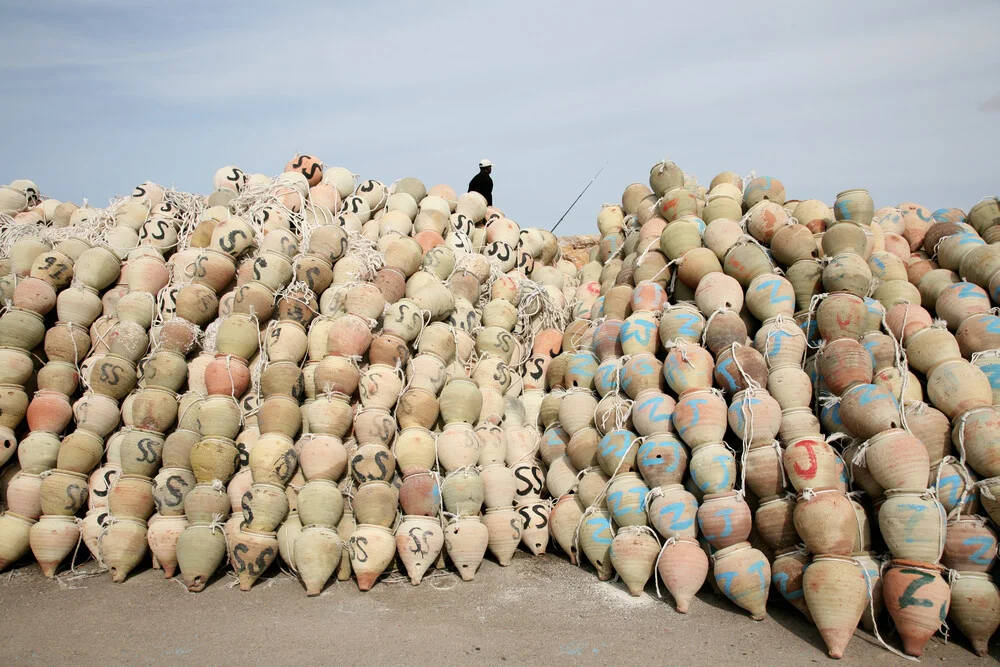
{"type": "Point", "coordinates": [539, 610]}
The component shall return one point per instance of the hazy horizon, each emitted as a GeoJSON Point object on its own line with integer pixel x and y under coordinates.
{"type": "Point", "coordinates": [900, 97]}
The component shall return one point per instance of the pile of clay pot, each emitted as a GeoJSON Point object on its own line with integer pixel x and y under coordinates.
{"type": "Point", "coordinates": [754, 391]}
{"type": "Point", "coordinates": [303, 367]}
{"type": "Point", "coordinates": [737, 389]}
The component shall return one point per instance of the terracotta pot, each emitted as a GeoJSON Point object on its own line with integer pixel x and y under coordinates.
{"type": "Point", "coordinates": [826, 522]}
{"type": "Point", "coordinates": [912, 524]}
{"type": "Point", "coordinates": [596, 535]}
{"type": "Point", "coordinates": [466, 540]}
{"type": "Point", "coordinates": [14, 537]}
{"type": "Point", "coordinates": [975, 608]}
{"type": "Point", "coordinates": [62, 492]}
{"type": "Point", "coordinates": [744, 576]}
{"type": "Point", "coordinates": [786, 574]}
{"type": "Point", "coordinates": [420, 494]}
{"type": "Point", "coordinates": [724, 519]}
{"type": "Point", "coordinates": [141, 452]}
{"type": "Point", "coordinates": [227, 375]}
{"type": "Point", "coordinates": [201, 548]}
{"type": "Point", "coordinates": [897, 460]}
{"type": "Point", "coordinates": [317, 553]}
{"type": "Point", "coordinates": [123, 546]}
{"type": "Point", "coordinates": [214, 458]}
{"type": "Point", "coordinates": [836, 594]}
{"type": "Point", "coordinates": [131, 497]}
{"type": "Point", "coordinates": [917, 597]}
{"type": "Point", "coordinates": [321, 456]}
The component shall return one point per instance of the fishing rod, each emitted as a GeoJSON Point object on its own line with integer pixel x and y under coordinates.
{"type": "Point", "coordinates": [578, 197]}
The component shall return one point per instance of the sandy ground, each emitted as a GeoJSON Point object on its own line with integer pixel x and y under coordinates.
{"type": "Point", "coordinates": [539, 610]}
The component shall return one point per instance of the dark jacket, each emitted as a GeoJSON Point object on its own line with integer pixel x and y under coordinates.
{"type": "Point", "coordinates": [483, 184]}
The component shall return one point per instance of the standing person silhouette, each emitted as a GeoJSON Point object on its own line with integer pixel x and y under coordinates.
{"type": "Point", "coordinates": [482, 183]}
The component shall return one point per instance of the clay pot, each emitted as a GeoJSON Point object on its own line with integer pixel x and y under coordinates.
{"type": "Point", "coordinates": [596, 535]}
{"type": "Point", "coordinates": [463, 491]}
{"type": "Point", "coordinates": [375, 503]}
{"type": "Point", "coordinates": [67, 342]}
{"type": "Point", "coordinates": [912, 524]}
{"type": "Point", "coordinates": [461, 401]}
{"type": "Point", "coordinates": [252, 552]}
{"type": "Point", "coordinates": [322, 456]}
{"type": "Point", "coordinates": [836, 594]}
{"type": "Point", "coordinates": [131, 497]}
{"type": "Point", "coordinates": [504, 527]}
{"type": "Point", "coordinates": [21, 328]}
{"type": "Point", "coordinates": [264, 507]}
{"type": "Point", "coordinates": [164, 370]}
{"type": "Point", "coordinates": [371, 549]}
{"type": "Point", "coordinates": [699, 417]}
{"type": "Point", "coordinates": [214, 458]}
{"type": "Point", "coordinates": [869, 409]}
{"type": "Point", "coordinates": [417, 407]}
{"type": "Point", "coordinates": [51, 539]}
{"type": "Point", "coordinates": [207, 502]}
{"type": "Point", "coordinates": [897, 460]}
{"type": "Point", "coordinates": [273, 459]}
{"type": "Point", "coordinates": [112, 376]}
{"type": "Point", "coordinates": [956, 386]}
{"type": "Point", "coordinates": [330, 414]}
{"type": "Point", "coordinates": [976, 432]}
{"type": "Point", "coordinates": [200, 550]}
{"type": "Point", "coordinates": [786, 574]}
{"type": "Point", "coordinates": [414, 450]}
{"type": "Point", "coordinates": [917, 597]}
{"type": "Point", "coordinates": [724, 519]}
{"type": "Point", "coordinates": [39, 452]}
{"type": "Point", "coordinates": [123, 546]}
{"type": "Point", "coordinates": [825, 521]}
{"type": "Point", "coordinates": [227, 375]}
{"type": "Point", "coordinates": [320, 503]}
{"type": "Point", "coordinates": [633, 554]}
{"type": "Point", "coordinates": [23, 495]}
{"type": "Point", "coordinates": [170, 486]}
{"type": "Point", "coordinates": [420, 494]}
{"type": "Point", "coordinates": [317, 553]}
{"type": "Point", "coordinates": [238, 335]}
{"type": "Point", "coordinates": [744, 576]}
{"type": "Point", "coordinates": [62, 492]}
{"type": "Point", "coordinates": [713, 468]}
{"type": "Point", "coordinates": [970, 545]}
{"type": "Point", "coordinates": [374, 426]}
{"type": "Point", "coordinates": [466, 540]}
{"type": "Point", "coordinates": [15, 531]}
{"type": "Point", "coordinates": [419, 541]}
{"type": "Point", "coordinates": [79, 304]}
{"type": "Point", "coordinates": [337, 374]}
{"type": "Point", "coordinates": [975, 608]}
{"type": "Point", "coordinates": [162, 537]}
{"type": "Point", "coordinates": [177, 448]}
{"type": "Point", "coordinates": [141, 452]}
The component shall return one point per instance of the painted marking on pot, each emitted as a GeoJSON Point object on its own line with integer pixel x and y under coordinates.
{"type": "Point", "coordinates": [727, 529]}
{"type": "Point", "coordinates": [982, 555]}
{"type": "Point", "coordinates": [638, 330]}
{"type": "Point", "coordinates": [689, 319]}
{"type": "Point", "coordinates": [781, 581]}
{"type": "Point", "coordinates": [602, 525]}
{"type": "Point", "coordinates": [954, 483]}
{"type": "Point", "coordinates": [654, 404]}
{"type": "Point", "coordinates": [676, 513]}
{"type": "Point", "coordinates": [909, 598]}
{"type": "Point", "coordinates": [758, 569]}
{"type": "Point", "coordinates": [911, 523]}
{"type": "Point", "coordinates": [725, 582]}
{"type": "Point", "coordinates": [775, 285]}
{"type": "Point", "coordinates": [723, 369]}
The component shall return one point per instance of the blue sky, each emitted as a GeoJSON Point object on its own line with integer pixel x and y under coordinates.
{"type": "Point", "coordinates": [901, 97]}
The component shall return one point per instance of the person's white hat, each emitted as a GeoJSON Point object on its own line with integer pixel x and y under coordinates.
{"type": "Point", "coordinates": [485, 163]}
